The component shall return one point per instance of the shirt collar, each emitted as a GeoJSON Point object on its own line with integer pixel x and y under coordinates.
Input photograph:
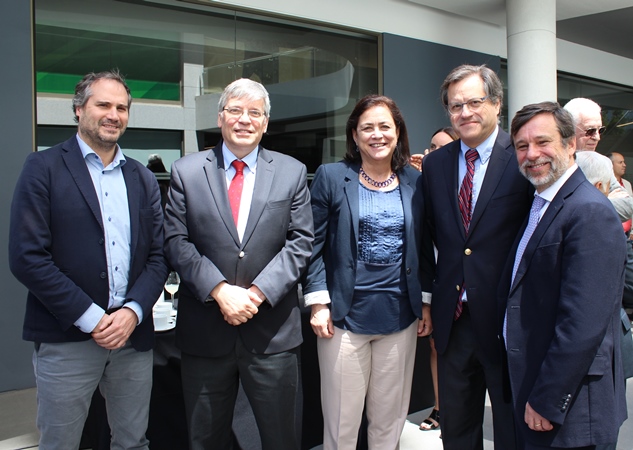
{"type": "Point", "coordinates": [485, 148]}
{"type": "Point", "coordinates": [119, 159]}
{"type": "Point", "coordinates": [549, 193]}
{"type": "Point", "coordinates": [229, 157]}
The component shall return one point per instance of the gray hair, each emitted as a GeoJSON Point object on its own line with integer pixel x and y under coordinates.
{"type": "Point", "coordinates": [83, 89]}
{"type": "Point", "coordinates": [245, 88]}
{"type": "Point", "coordinates": [492, 84]}
{"type": "Point", "coordinates": [582, 106]}
{"type": "Point", "coordinates": [595, 166]}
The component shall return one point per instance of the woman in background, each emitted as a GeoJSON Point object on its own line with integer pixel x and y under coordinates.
{"type": "Point", "coordinates": [438, 139]}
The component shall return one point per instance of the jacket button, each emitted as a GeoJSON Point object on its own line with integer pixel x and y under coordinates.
{"type": "Point", "coordinates": [458, 287]}
{"type": "Point", "coordinates": [101, 241]}
{"type": "Point", "coordinates": [467, 252]}
{"type": "Point", "coordinates": [241, 255]}
{"type": "Point", "coordinates": [103, 275]}
{"type": "Point", "coordinates": [408, 270]}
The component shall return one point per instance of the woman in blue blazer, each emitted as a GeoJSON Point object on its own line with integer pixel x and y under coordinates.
{"type": "Point", "coordinates": [363, 281]}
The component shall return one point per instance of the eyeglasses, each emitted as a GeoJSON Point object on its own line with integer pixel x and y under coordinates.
{"type": "Point", "coordinates": [238, 112]}
{"type": "Point", "coordinates": [474, 104]}
{"type": "Point", "coordinates": [591, 132]}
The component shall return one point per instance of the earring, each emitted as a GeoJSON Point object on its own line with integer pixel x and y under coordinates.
{"type": "Point", "coordinates": [357, 150]}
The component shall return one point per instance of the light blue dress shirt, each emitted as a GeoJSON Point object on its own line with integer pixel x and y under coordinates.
{"type": "Point", "coordinates": [111, 191]}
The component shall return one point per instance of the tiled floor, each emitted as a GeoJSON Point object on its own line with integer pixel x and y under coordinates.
{"type": "Point", "coordinates": [17, 425]}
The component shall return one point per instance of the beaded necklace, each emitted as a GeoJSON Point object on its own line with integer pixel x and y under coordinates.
{"type": "Point", "coordinates": [378, 184]}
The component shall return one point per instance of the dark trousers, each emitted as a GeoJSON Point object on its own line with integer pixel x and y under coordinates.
{"type": "Point", "coordinates": [464, 374]}
{"type": "Point", "coordinates": [210, 387]}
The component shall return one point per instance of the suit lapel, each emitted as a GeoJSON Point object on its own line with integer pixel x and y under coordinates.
{"type": "Point", "coordinates": [499, 159]}
{"type": "Point", "coordinates": [406, 191]}
{"type": "Point", "coordinates": [451, 173]}
{"type": "Point", "coordinates": [77, 167]}
{"type": "Point", "coordinates": [132, 186]}
{"type": "Point", "coordinates": [263, 184]}
{"type": "Point", "coordinates": [216, 177]}
{"type": "Point", "coordinates": [351, 194]}
{"type": "Point", "coordinates": [553, 210]}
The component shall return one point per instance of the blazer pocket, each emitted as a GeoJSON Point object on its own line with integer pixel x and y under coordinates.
{"type": "Point", "coordinates": [598, 365]}
{"type": "Point", "coordinates": [279, 203]}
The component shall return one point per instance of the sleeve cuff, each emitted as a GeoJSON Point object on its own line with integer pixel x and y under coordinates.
{"type": "Point", "coordinates": [316, 298]}
{"type": "Point", "coordinates": [134, 306]}
{"type": "Point", "coordinates": [426, 298]}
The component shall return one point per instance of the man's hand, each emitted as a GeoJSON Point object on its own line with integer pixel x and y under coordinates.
{"type": "Point", "coordinates": [237, 304]}
{"type": "Point", "coordinates": [321, 321]}
{"type": "Point", "coordinates": [113, 330]}
{"type": "Point", "coordinates": [259, 295]}
{"type": "Point", "coordinates": [535, 421]}
{"type": "Point", "coordinates": [425, 326]}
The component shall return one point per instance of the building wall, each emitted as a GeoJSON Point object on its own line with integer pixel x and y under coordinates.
{"type": "Point", "coordinates": [16, 128]}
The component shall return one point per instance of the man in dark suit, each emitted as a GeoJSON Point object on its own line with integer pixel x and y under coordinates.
{"type": "Point", "coordinates": [562, 318]}
{"type": "Point", "coordinates": [475, 204]}
{"type": "Point", "coordinates": [86, 240]}
{"type": "Point", "coordinates": [239, 232]}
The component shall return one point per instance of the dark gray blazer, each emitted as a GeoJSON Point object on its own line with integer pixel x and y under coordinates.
{"type": "Point", "coordinates": [335, 209]}
{"type": "Point", "coordinates": [202, 244]}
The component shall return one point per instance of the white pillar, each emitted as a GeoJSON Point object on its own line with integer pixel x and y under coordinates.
{"type": "Point", "coordinates": [531, 26]}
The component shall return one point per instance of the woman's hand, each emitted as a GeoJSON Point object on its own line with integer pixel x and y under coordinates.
{"type": "Point", "coordinates": [321, 321]}
{"type": "Point", "coordinates": [425, 327]}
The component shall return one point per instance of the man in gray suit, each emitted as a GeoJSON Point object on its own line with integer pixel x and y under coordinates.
{"type": "Point", "coordinates": [239, 232]}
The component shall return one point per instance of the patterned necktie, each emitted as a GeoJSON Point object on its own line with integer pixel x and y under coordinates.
{"type": "Point", "coordinates": [535, 212]}
{"type": "Point", "coordinates": [235, 189]}
{"type": "Point", "coordinates": [465, 208]}
{"type": "Point", "coordinates": [466, 190]}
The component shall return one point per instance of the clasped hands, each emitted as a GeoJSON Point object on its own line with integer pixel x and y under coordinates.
{"type": "Point", "coordinates": [113, 330]}
{"type": "Point", "coordinates": [238, 305]}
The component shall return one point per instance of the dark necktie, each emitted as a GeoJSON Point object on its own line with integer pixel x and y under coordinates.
{"type": "Point", "coordinates": [465, 208]}
{"type": "Point", "coordinates": [235, 189]}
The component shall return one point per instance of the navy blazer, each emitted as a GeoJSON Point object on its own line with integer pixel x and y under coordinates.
{"type": "Point", "coordinates": [56, 244]}
{"type": "Point", "coordinates": [477, 260]}
{"type": "Point", "coordinates": [564, 320]}
{"type": "Point", "coordinates": [202, 244]}
{"type": "Point", "coordinates": [335, 209]}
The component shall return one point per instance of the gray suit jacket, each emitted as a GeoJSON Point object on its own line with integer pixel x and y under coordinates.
{"type": "Point", "coordinates": [202, 244]}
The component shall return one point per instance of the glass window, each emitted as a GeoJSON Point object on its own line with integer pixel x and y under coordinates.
{"type": "Point", "coordinates": [184, 54]}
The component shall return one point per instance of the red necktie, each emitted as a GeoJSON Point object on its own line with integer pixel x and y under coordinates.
{"type": "Point", "coordinates": [465, 207]}
{"type": "Point", "coordinates": [235, 189]}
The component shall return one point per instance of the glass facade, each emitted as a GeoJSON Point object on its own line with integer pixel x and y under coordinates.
{"type": "Point", "coordinates": [315, 75]}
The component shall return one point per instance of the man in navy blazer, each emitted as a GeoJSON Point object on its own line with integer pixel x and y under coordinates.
{"type": "Point", "coordinates": [240, 257]}
{"type": "Point", "coordinates": [86, 239]}
{"type": "Point", "coordinates": [562, 317]}
{"type": "Point", "coordinates": [470, 262]}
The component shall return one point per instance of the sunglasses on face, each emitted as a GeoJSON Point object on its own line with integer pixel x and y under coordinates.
{"type": "Point", "coordinates": [592, 131]}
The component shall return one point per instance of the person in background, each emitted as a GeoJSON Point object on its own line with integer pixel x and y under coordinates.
{"type": "Point", "coordinates": [86, 239]}
{"type": "Point", "coordinates": [239, 230]}
{"type": "Point", "coordinates": [363, 280]}
{"type": "Point", "coordinates": [475, 202]}
{"type": "Point", "coordinates": [438, 139]}
{"type": "Point", "coordinates": [564, 281]}
{"type": "Point", "coordinates": [589, 130]}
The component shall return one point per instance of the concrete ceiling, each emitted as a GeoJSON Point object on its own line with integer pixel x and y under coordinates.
{"type": "Point", "coordinates": [605, 25]}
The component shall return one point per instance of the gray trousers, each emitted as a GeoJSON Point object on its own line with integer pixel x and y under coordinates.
{"type": "Point", "coordinates": [67, 375]}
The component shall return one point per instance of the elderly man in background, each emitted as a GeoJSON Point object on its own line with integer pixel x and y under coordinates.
{"type": "Point", "coordinates": [561, 321]}
{"type": "Point", "coordinates": [588, 125]}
